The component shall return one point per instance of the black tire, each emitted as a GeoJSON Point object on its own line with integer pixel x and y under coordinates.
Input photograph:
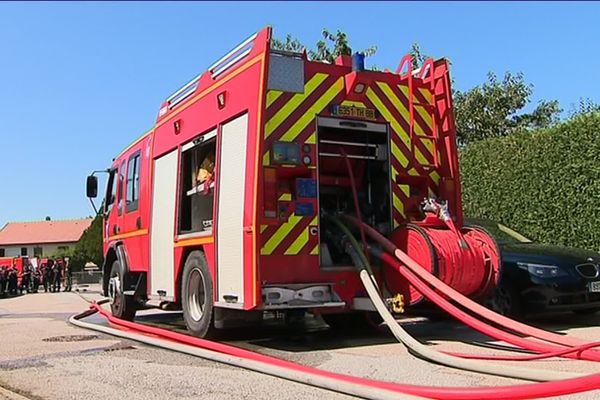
{"type": "Point", "coordinates": [506, 300]}
{"type": "Point", "coordinates": [197, 296]}
{"type": "Point", "coordinates": [121, 306]}
{"type": "Point", "coordinates": [587, 311]}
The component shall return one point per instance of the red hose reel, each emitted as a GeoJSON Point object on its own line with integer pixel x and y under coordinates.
{"type": "Point", "coordinates": [468, 261]}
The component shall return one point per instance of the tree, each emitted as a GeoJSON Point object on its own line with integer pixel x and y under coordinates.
{"type": "Point", "coordinates": [418, 58]}
{"type": "Point", "coordinates": [494, 109]}
{"type": "Point", "coordinates": [584, 106]}
{"type": "Point", "coordinates": [327, 49]}
{"type": "Point", "coordinates": [88, 248]}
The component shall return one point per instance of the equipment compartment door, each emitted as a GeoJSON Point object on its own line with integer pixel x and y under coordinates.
{"type": "Point", "coordinates": [231, 174]}
{"type": "Point", "coordinates": [163, 226]}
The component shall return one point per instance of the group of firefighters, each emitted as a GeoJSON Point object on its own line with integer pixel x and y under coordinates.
{"type": "Point", "coordinates": [52, 275]}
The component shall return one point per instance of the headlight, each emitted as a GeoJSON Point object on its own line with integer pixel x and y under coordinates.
{"type": "Point", "coordinates": [542, 270]}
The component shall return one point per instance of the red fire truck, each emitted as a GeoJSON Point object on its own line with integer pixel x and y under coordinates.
{"type": "Point", "coordinates": [223, 208]}
{"type": "Point", "coordinates": [19, 262]}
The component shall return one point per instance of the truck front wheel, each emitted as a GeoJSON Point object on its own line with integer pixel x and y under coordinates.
{"type": "Point", "coordinates": [121, 305]}
{"type": "Point", "coordinates": [197, 296]}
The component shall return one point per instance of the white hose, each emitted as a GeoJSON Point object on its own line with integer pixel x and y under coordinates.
{"type": "Point", "coordinates": [452, 361]}
{"type": "Point", "coordinates": [486, 367]}
{"type": "Point", "coordinates": [262, 367]}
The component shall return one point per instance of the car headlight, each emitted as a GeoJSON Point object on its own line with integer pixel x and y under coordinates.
{"type": "Point", "coordinates": [542, 270]}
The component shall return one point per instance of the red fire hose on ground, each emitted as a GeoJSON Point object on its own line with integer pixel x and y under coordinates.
{"type": "Point", "coordinates": [363, 387]}
{"type": "Point", "coordinates": [417, 275]}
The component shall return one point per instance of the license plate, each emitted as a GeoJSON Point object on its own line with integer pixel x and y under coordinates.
{"type": "Point", "coordinates": [595, 286]}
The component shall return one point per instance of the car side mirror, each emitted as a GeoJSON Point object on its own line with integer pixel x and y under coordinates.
{"type": "Point", "coordinates": [91, 187]}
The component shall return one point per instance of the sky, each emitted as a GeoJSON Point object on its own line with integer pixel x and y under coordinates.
{"type": "Point", "coordinates": [80, 81]}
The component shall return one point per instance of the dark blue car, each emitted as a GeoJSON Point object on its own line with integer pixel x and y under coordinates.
{"type": "Point", "coordinates": [537, 278]}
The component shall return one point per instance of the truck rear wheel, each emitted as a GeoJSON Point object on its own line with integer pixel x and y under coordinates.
{"type": "Point", "coordinates": [121, 305]}
{"type": "Point", "coordinates": [197, 296]}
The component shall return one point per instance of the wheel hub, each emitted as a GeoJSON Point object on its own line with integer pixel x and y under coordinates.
{"type": "Point", "coordinates": [114, 288]}
{"type": "Point", "coordinates": [195, 295]}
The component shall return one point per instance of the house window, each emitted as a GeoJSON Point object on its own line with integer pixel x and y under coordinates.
{"type": "Point", "coordinates": [23, 251]}
{"type": "Point", "coordinates": [2, 253]}
{"type": "Point", "coordinates": [133, 183]}
{"type": "Point", "coordinates": [38, 252]}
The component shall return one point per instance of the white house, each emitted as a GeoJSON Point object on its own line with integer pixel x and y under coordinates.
{"type": "Point", "coordinates": [40, 238]}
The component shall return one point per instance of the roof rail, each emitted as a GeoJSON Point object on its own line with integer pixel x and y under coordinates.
{"type": "Point", "coordinates": [229, 59]}
{"type": "Point", "coordinates": [183, 92]}
{"type": "Point", "coordinates": [217, 68]}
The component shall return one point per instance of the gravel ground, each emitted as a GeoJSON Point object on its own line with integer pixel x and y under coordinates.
{"type": "Point", "coordinates": [43, 357]}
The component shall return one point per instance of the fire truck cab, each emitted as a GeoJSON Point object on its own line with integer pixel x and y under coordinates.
{"type": "Point", "coordinates": [224, 207]}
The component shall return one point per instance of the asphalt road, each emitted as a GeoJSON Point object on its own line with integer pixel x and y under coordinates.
{"type": "Point", "coordinates": [43, 357]}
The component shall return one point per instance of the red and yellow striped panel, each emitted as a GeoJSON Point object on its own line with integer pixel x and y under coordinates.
{"type": "Point", "coordinates": [296, 235]}
{"type": "Point", "coordinates": [411, 157]}
{"type": "Point", "coordinates": [290, 117]}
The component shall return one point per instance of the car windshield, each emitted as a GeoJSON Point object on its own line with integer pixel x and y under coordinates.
{"type": "Point", "coordinates": [502, 233]}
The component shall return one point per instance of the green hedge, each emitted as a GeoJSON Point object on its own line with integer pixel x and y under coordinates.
{"type": "Point", "coordinates": [544, 184]}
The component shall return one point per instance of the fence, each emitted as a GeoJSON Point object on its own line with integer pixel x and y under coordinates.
{"type": "Point", "coordinates": [87, 277]}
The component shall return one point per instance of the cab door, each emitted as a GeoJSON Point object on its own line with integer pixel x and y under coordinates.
{"type": "Point", "coordinates": [113, 203]}
{"type": "Point", "coordinates": [134, 227]}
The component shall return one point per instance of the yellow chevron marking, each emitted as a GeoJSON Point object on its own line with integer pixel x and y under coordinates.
{"type": "Point", "coordinates": [389, 93]}
{"type": "Point", "coordinates": [315, 250]}
{"type": "Point", "coordinates": [396, 127]}
{"type": "Point", "coordinates": [388, 116]}
{"type": "Point", "coordinates": [312, 139]}
{"type": "Point", "coordinates": [284, 112]}
{"type": "Point", "coordinates": [350, 103]}
{"type": "Point", "coordinates": [316, 108]}
{"type": "Point", "coordinates": [426, 93]}
{"type": "Point", "coordinates": [263, 227]}
{"type": "Point", "coordinates": [399, 155]}
{"type": "Point", "coordinates": [267, 158]}
{"type": "Point", "coordinates": [279, 235]}
{"type": "Point", "coordinates": [273, 95]}
{"type": "Point", "coordinates": [435, 177]}
{"type": "Point", "coordinates": [285, 197]}
{"type": "Point", "coordinates": [298, 244]}
{"type": "Point", "coordinates": [428, 143]}
{"type": "Point", "coordinates": [405, 188]}
{"type": "Point", "coordinates": [425, 115]}
{"type": "Point", "coordinates": [314, 222]}
{"type": "Point", "coordinates": [398, 205]}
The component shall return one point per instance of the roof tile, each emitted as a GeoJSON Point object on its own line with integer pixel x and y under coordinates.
{"type": "Point", "coordinates": [40, 232]}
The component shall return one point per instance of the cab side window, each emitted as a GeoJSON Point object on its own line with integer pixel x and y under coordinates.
{"type": "Point", "coordinates": [133, 183]}
{"type": "Point", "coordinates": [121, 183]}
{"type": "Point", "coordinates": [111, 191]}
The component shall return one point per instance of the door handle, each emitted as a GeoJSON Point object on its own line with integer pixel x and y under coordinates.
{"type": "Point", "coordinates": [138, 223]}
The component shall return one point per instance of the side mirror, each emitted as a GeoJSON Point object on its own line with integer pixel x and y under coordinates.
{"type": "Point", "coordinates": [91, 187]}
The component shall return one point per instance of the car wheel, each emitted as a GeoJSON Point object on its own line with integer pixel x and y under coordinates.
{"type": "Point", "coordinates": [197, 296]}
{"type": "Point", "coordinates": [587, 311]}
{"type": "Point", "coordinates": [121, 305]}
{"type": "Point", "coordinates": [506, 300]}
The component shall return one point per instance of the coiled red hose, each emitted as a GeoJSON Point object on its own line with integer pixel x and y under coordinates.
{"type": "Point", "coordinates": [524, 391]}
{"type": "Point", "coordinates": [506, 323]}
